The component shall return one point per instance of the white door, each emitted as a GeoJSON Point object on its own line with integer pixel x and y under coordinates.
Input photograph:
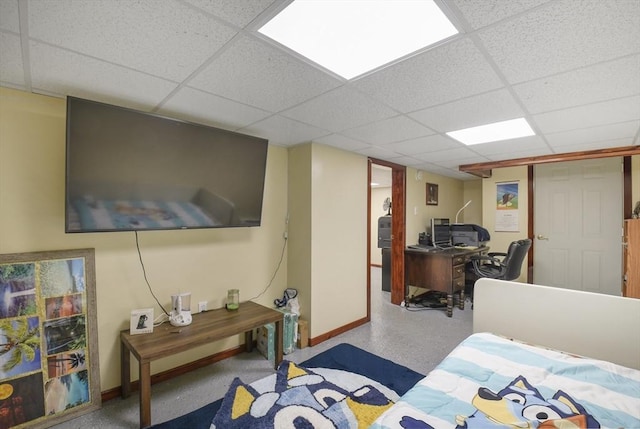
{"type": "Point", "coordinates": [578, 225]}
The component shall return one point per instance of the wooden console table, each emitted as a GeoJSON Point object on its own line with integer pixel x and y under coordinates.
{"type": "Point", "coordinates": [207, 327]}
{"type": "Point", "coordinates": [441, 270]}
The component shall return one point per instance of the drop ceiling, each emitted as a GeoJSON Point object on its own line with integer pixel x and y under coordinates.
{"type": "Point", "coordinates": [571, 68]}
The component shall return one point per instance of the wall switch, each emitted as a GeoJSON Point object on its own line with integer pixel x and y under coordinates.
{"type": "Point", "coordinates": [202, 306]}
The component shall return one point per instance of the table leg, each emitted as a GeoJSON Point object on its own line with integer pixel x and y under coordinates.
{"type": "Point", "coordinates": [449, 304]}
{"type": "Point", "coordinates": [461, 303]}
{"type": "Point", "coordinates": [145, 394]}
{"type": "Point", "coordinates": [125, 371]}
{"type": "Point", "coordinates": [278, 338]}
{"type": "Point", "coordinates": [248, 341]}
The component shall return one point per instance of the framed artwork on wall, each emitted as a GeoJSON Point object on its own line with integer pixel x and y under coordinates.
{"type": "Point", "coordinates": [49, 365]}
{"type": "Point", "coordinates": [432, 194]}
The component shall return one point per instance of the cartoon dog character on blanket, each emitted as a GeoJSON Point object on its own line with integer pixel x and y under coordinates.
{"type": "Point", "coordinates": [520, 405]}
{"type": "Point", "coordinates": [301, 399]}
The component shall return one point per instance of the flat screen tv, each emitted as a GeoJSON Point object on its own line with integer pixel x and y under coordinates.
{"type": "Point", "coordinates": [132, 171]}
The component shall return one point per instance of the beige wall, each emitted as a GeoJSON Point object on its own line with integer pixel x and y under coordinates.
{"type": "Point", "coordinates": [324, 188]}
{"type": "Point", "coordinates": [500, 240]}
{"type": "Point", "coordinates": [203, 262]}
{"type": "Point", "coordinates": [299, 251]}
{"type": "Point", "coordinates": [453, 194]}
{"type": "Point", "coordinates": [419, 214]}
{"type": "Point", "coordinates": [328, 235]}
{"type": "Point", "coordinates": [338, 238]}
{"type": "Point", "coordinates": [472, 192]}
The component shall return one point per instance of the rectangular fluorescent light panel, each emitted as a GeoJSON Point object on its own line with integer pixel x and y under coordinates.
{"type": "Point", "coordinates": [352, 37]}
{"type": "Point", "coordinates": [505, 130]}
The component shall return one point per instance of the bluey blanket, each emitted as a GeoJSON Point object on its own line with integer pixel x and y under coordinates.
{"type": "Point", "coordinates": [298, 397]}
{"type": "Point", "coordinates": [125, 214]}
{"type": "Point", "coordinates": [492, 382]}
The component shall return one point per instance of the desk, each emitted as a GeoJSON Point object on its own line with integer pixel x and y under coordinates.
{"type": "Point", "coordinates": [441, 270]}
{"type": "Point", "coordinates": [207, 327]}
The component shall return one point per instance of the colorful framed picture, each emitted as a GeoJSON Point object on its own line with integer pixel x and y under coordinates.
{"type": "Point", "coordinates": [49, 369]}
{"type": "Point", "coordinates": [432, 194]}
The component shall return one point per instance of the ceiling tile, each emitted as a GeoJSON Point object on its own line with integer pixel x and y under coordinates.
{"type": "Point", "coordinates": [237, 12]}
{"type": "Point", "coordinates": [593, 146]}
{"type": "Point", "coordinates": [282, 131]}
{"type": "Point", "coordinates": [255, 73]}
{"type": "Point", "coordinates": [11, 65]}
{"type": "Point", "coordinates": [481, 109]}
{"type": "Point", "coordinates": [590, 115]}
{"type": "Point", "coordinates": [194, 105]}
{"type": "Point", "coordinates": [601, 82]}
{"type": "Point", "coordinates": [424, 144]}
{"type": "Point", "coordinates": [339, 109]}
{"type": "Point", "coordinates": [484, 12]}
{"type": "Point", "coordinates": [405, 160]}
{"type": "Point", "coordinates": [450, 154]}
{"type": "Point", "coordinates": [62, 72]}
{"type": "Point", "coordinates": [455, 163]}
{"type": "Point", "coordinates": [204, 61]}
{"type": "Point", "coordinates": [377, 152]}
{"type": "Point", "coordinates": [501, 156]}
{"type": "Point", "coordinates": [533, 143]}
{"type": "Point", "coordinates": [552, 39]}
{"type": "Point", "coordinates": [342, 142]}
{"type": "Point", "coordinates": [389, 131]}
{"type": "Point", "coordinates": [447, 172]}
{"type": "Point", "coordinates": [448, 72]}
{"type": "Point", "coordinates": [603, 133]}
{"type": "Point", "coordinates": [9, 17]}
{"type": "Point", "coordinates": [166, 39]}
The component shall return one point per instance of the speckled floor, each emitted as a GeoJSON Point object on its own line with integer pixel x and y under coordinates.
{"type": "Point", "coordinates": [416, 339]}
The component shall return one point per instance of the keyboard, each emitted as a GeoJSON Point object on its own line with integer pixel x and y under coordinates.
{"type": "Point", "coordinates": [444, 245]}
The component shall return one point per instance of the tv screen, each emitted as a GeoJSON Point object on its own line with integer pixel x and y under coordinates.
{"type": "Point", "coordinates": [130, 171]}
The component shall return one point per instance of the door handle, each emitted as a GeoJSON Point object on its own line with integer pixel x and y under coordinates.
{"type": "Point", "coordinates": [541, 237]}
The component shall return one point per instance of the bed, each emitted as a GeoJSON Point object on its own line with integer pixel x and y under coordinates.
{"type": "Point", "coordinates": [540, 357]}
{"type": "Point", "coordinates": [511, 372]}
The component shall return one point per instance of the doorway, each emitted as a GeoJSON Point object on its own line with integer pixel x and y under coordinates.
{"type": "Point", "coordinates": [397, 236]}
{"type": "Point", "coordinates": [578, 225]}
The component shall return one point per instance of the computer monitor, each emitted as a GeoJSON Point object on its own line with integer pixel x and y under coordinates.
{"type": "Point", "coordinates": [440, 232]}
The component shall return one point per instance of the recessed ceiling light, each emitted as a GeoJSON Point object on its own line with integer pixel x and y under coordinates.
{"type": "Point", "coordinates": [505, 130]}
{"type": "Point", "coordinates": [352, 37]}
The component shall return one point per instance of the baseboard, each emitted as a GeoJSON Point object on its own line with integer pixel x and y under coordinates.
{"type": "Point", "coordinates": [324, 337]}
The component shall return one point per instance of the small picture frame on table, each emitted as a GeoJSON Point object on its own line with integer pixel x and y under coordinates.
{"type": "Point", "coordinates": [432, 194]}
{"type": "Point", "coordinates": [141, 321]}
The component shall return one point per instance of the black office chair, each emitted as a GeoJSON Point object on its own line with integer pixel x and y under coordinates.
{"type": "Point", "coordinates": [497, 265]}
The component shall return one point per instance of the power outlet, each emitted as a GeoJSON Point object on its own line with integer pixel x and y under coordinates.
{"type": "Point", "coordinates": [202, 306]}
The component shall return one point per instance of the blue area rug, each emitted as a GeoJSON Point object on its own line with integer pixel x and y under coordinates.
{"type": "Point", "coordinates": [343, 357]}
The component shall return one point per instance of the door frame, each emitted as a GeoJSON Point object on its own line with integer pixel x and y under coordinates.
{"type": "Point", "coordinates": [398, 228]}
